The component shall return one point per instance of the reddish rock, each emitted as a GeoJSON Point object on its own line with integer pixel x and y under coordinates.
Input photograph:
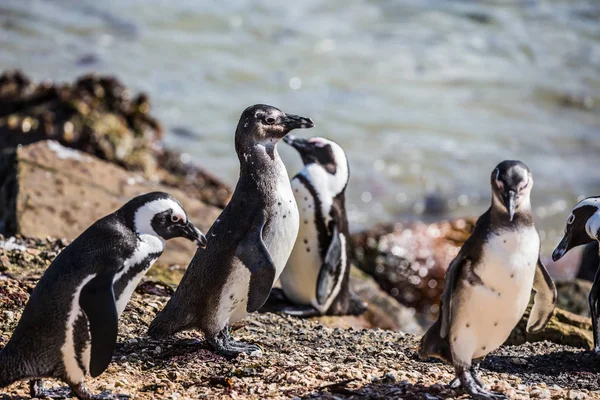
{"type": "Point", "coordinates": [409, 260]}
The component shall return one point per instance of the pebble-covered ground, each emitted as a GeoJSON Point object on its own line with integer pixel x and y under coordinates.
{"type": "Point", "coordinates": [301, 359]}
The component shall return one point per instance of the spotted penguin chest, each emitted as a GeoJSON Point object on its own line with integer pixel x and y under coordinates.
{"type": "Point", "coordinates": [299, 279]}
{"type": "Point", "coordinates": [484, 312]}
{"type": "Point", "coordinates": [282, 230]}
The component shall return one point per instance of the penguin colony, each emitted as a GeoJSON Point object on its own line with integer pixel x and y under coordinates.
{"type": "Point", "coordinates": [295, 232]}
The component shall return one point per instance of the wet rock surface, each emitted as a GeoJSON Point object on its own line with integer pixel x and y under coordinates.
{"type": "Point", "coordinates": [410, 260]}
{"type": "Point", "coordinates": [301, 358]}
{"type": "Point", "coordinates": [99, 116]}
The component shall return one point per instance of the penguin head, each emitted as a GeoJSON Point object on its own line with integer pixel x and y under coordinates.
{"type": "Point", "coordinates": [317, 150]}
{"type": "Point", "coordinates": [320, 154]}
{"type": "Point", "coordinates": [583, 226]}
{"type": "Point", "coordinates": [511, 187]}
{"type": "Point", "coordinates": [265, 124]}
{"type": "Point", "coordinates": [161, 215]}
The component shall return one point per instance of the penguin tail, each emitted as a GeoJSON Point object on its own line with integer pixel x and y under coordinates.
{"type": "Point", "coordinates": [433, 345]}
{"type": "Point", "coordinates": [167, 322]}
{"type": "Point", "coordinates": [10, 368]}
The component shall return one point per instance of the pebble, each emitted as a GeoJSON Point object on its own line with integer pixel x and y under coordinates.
{"type": "Point", "coordinates": [576, 395]}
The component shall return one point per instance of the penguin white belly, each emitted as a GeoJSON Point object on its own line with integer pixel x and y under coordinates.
{"type": "Point", "coordinates": [283, 226]}
{"type": "Point", "coordinates": [485, 314]}
{"type": "Point", "coordinates": [234, 296]}
{"type": "Point", "coordinates": [299, 279]}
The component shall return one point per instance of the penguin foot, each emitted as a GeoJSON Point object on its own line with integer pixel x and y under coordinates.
{"type": "Point", "coordinates": [37, 390]}
{"type": "Point", "coordinates": [474, 387]}
{"type": "Point", "coordinates": [301, 311]}
{"type": "Point", "coordinates": [82, 393]}
{"type": "Point", "coordinates": [224, 344]}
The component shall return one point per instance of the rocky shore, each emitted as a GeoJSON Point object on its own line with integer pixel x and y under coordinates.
{"type": "Point", "coordinates": [72, 153]}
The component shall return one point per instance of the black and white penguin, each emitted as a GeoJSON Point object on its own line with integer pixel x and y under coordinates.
{"type": "Point", "coordinates": [69, 325]}
{"type": "Point", "coordinates": [317, 276]}
{"type": "Point", "coordinates": [488, 285]}
{"type": "Point", "coordinates": [583, 226]}
{"type": "Point", "coordinates": [249, 243]}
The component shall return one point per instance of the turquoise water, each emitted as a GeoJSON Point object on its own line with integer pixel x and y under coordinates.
{"type": "Point", "coordinates": [425, 96]}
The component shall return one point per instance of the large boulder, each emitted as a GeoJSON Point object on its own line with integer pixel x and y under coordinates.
{"type": "Point", "coordinates": [563, 327]}
{"type": "Point", "coordinates": [573, 296]}
{"type": "Point", "coordinates": [100, 116]}
{"type": "Point", "coordinates": [47, 190]}
{"type": "Point", "coordinates": [409, 261]}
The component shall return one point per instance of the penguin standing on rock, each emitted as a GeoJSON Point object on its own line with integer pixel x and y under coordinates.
{"type": "Point", "coordinates": [316, 278]}
{"type": "Point", "coordinates": [583, 226]}
{"type": "Point", "coordinates": [69, 325]}
{"type": "Point", "coordinates": [249, 243]}
{"type": "Point", "coordinates": [488, 285]}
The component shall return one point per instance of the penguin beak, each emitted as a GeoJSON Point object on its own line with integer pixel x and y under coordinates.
{"type": "Point", "coordinates": [510, 201]}
{"type": "Point", "coordinates": [291, 121]}
{"type": "Point", "coordinates": [301, 145]}
{"type": "Point", "coordinates": [573, 237]}
{"type": "Point", "coordinates": [561, 249]}
{"type": "Point", "coordinates": [192, 233]}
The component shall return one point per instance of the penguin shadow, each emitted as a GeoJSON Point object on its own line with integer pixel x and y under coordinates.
{"type": "Point", "coordinates": [276, 302]}
{"type": "Point", "coordinates": [578, 370]}
{"type": "Point", "coordinates": [384, 387]}
{"type": "Point", "coordinates": [151, 353]}
{"type": "Point", "coordinates": [62, 392]}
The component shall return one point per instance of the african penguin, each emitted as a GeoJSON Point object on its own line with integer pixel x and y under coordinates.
{"type": "Point", "coordinates": [488, 285]}
{"type": "Point", "coordinates": [249, 243]}
{"type": "Point", "coordinates": [316, 278]}
{"type": "Point", "coordinates": [583, 226]}
{"type": "Point", "coordinates": [69, 325]}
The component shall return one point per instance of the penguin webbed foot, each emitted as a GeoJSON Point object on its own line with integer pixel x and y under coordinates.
{"type": "Point", "coordinates": [37, 390]}
{"type": "Point", "coordinates": [224, 344]}
{"type": "Point", "coordinates": [82, 393]}
{"type": "Point", "coordinates": [474, 387]}
{"type": "Point", "coordinates": [456, 383]}
{"type": "Point", "coordinates": [301, 311]}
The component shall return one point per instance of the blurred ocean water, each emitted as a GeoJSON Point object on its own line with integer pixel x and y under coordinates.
{"type": "Point", "coordinates": [425, 96]}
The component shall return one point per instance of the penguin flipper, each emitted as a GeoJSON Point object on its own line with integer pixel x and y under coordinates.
{"type": "Point", "coordinates": [329, 274]}
{"type": "Point", "coordinates": [97, 300]}
{"type": "Point", "coordinates": [544, 300]}
{"type": "Point", "coordinates": [452, 275]}
{"type": "Point", "coordinates": [254, 255]}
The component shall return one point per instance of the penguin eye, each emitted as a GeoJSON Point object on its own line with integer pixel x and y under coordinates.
{"type": "Point", "coordinates": [571, 219]}
{"type": "Point", "coordinates": [270, 120]}
{"type": "Point", "coordinates": [175, 218]}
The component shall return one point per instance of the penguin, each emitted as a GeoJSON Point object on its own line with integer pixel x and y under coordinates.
{"type": "Point", "coordinates": [583, 226]}
{"type": "Point", "coordinates": [316, 278]}
{"type": "Point", "coordinates": [249, 243]}
{"type": "Point", "coordinates": [488, 285]}
{"type": "Point", "coordinates": [69, 325]}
